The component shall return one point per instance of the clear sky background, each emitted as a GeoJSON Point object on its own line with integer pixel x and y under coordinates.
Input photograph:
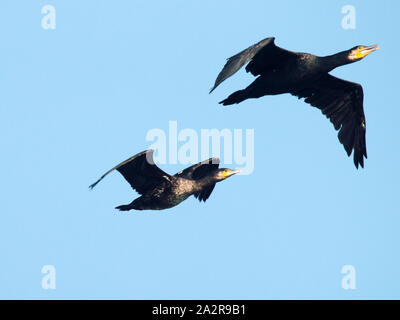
{"type": "Point", "coordinates": [77, 100]}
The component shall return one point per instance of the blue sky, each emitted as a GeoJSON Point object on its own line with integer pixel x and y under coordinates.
{"type": "Point", "coordinates": [79, 99]}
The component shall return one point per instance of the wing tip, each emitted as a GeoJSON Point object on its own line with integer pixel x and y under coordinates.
{"type": "Point", "coordinates": [358, 158]}
{"type": "Point", "coordinates": [213, 160]}
{"type": "Point", "coordinates": [94, 184]}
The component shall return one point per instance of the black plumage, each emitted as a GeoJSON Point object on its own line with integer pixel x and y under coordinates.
{"type": "Point", "coordinates": [306, 76]}
{"type": "Point", "coordinates": [159, 190]}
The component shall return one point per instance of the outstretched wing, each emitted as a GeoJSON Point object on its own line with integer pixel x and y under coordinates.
{"type": "Point", "coordinates": [265, 55]}
{"type": "Point", "coordinates": [199, 171]}
{"type": "Point", "coordinates": [342, 103]}
{"type": "Point", "coordinates": [140, 171]}
{"type": "Point", "coordinates": [204, 194]}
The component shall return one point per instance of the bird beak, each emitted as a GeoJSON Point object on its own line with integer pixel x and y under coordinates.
{"type": "Point", "coordinates": [367, 50]}
{"type": "Point", "coordinates": [231, 173]}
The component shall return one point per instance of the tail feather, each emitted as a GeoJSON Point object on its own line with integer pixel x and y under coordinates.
{"type": "Point", "coordinates": [125, 207]}
{"type": "Point", "coordinates": [136, 204]}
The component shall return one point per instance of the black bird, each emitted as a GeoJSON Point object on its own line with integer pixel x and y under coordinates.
{"type": "Point", "coordinates": [159, 190]}
{"type": "Point", "coordinates": [306, 76]}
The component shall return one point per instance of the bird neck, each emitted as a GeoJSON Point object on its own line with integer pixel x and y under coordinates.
{"type": "Point", "coordinates": [336, 60]}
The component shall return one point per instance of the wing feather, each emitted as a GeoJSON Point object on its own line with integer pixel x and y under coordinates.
{"type": "Point", "coordinates": [237, 61]}
{"type": "Point", "coordinates": [342, 103]}
{"type": "Point", "coordinates": [140, 172]}
{"type": "Point", "coordinates": [199, 171]}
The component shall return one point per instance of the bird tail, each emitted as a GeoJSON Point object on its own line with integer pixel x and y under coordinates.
{"type": "Point", "coordinates": [134, 205]}
{"type": "Point", "coordinates": [125, 207]}
{"type": "Point", "coordinates": [235, 97]}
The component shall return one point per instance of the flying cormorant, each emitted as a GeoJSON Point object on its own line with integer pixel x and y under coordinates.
{"type": "Point", "coordinates": [159, 190]}
{"type": "Point", "coordinates": [306, 76]}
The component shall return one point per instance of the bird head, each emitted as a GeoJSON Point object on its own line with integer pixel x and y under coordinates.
{"type": "Point", "coordinates": [224, 173]}
{"type": "Point", "coordinates": [360, 52]}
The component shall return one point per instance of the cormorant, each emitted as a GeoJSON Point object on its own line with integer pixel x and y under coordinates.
{"type": "Point", "coordinates": [306, 76]}
{"type": "Point", "coordinates": [159, 190]}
